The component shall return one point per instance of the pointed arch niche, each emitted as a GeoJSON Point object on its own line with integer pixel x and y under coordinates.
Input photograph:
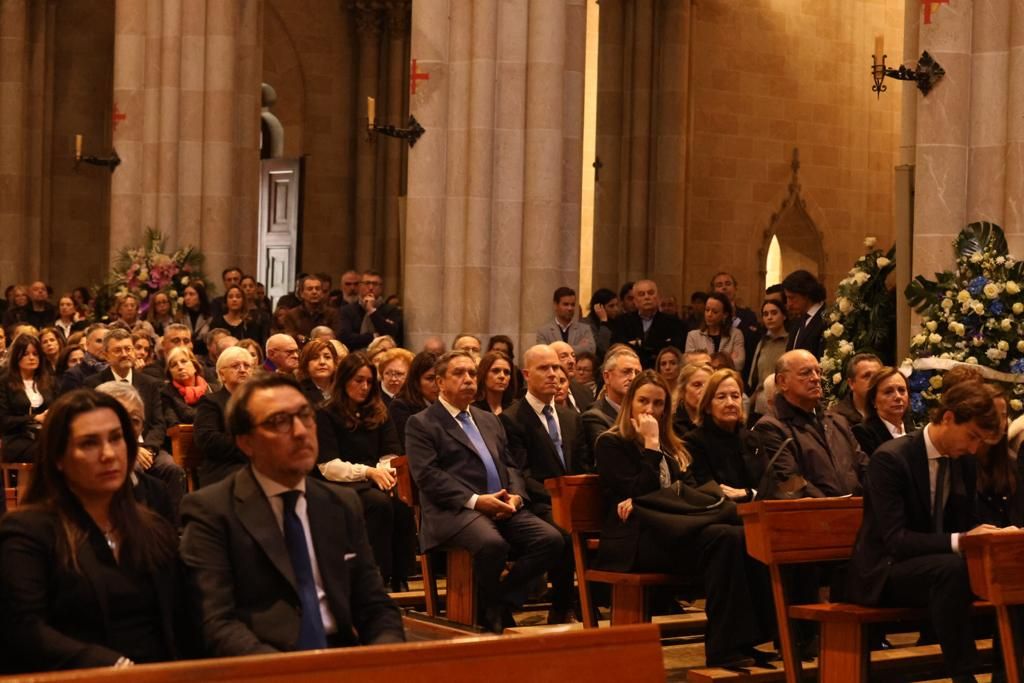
{"type": "Point", "coordinates": [792, 240]}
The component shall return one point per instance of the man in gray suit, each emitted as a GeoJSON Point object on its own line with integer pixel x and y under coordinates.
{"type": "Point", "coordinates": [280, 561]}
{"type": "Point", "coordinates": [472, 496]}
{"type": "Point", "coordinates": [564, 327]}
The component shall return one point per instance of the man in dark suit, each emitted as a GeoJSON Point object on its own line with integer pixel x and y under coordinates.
{"type": "Point", "coordinates": [621, 366]}
{"type": "Point", "coordinates": [744, 319]}
{"type": "Point", "coordinates": [546, 441]}
{"type": "Point", "coordinates": [919, 498]}
{"type": "Point", "coordinates": [580, 397]}
{"type": "Point", "coordinates": [92, 362]}
{"type": "Point", "coordinates": [369, 317]}
{"type": "Point", "coordinates": [472, 495]}
{"type": "Point", "coordinates": [805, 301]}
{"type": "Point", "coordinates": [280, 561]}
{"type": "Point", "coordinates": [120, 354]}
{"type": "Point", "coordinates": [647, 330]}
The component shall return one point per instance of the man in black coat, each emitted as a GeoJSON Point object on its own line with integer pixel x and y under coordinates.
{"type": "Point", "coordinates": [359, 323]}
{"type": "Point", "coordinates": [647, 330]}
{"type": "Point", "coordinates": [280, 561]}
{"type": "Point", "coordinates": [620, 368]}
{"type": "Point", "coordinates": [92, 362]}
{"type": "Point", "coordinates": [919, 499]}
{"type": "Point", "coordinates": [472, 495]}
{"type": "Point", "coordinates": [805, 301]}
{"type": "Point", "coordinates": [546, 441]}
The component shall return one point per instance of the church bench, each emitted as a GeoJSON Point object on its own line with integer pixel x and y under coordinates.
{"type": "Point", "coordinates": [622, 654]}
{"type": "Point", "coordinates": [994, 562]}
{"type": "Point", "coordinates": [185, 453]}
{"type": "Point", "coordinates": [16, 478]}
{"type": "Point", "coordinates": [809, 530]}
{"type": "Point", "coordinates": [577, 506]}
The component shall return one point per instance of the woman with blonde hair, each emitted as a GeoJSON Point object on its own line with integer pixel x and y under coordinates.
{"type": "Point", "coordinates": [393, 369]}
{"type": "Point", "coordinates": [640, 458]}
{"type": "Point", "coordinates": [686, 398]}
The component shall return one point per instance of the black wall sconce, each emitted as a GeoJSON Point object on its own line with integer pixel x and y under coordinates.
{"type": "Point", "coordinates": [927, 73]}
{"type": "Point", "coordinates": [411, 133]}
{"type": "Point", "coordinates": [111, 162]}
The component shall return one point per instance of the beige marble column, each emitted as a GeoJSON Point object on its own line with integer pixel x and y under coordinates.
{"type": "Point", "coordinates": [397, 81]}
{"type": "Point", "coordinates": [25, 115]}
{"type": "Point", "coordinates": [493, 207]}
{"type": "Point", "coordinates": [1013, 211]}
{"type": "Point", "coordinates": [368, 22]}
{"type": "Point", "coordinates": [943, 139]}
{"type": "Point", "coordinates": [187, 79]}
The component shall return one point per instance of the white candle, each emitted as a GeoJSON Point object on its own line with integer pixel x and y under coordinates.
{"type": "Point", "coordinates": [371, 111]}
{"type": "Point", "coordinates": [78, 146]}
{"type": "Point", "coordinates": [879, 47]}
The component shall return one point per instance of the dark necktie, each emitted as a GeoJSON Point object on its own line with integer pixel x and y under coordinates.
{"type": "Point", "coordinates": [468, 426]}
{"type": "Point", "coordinates": [311, 625]}
{"type": "Point", "coordinates": [799, 330]}
{"type": "Point", "coordinates": [939, 504]}
{"type": "Point", "coordinates": [556, 439]}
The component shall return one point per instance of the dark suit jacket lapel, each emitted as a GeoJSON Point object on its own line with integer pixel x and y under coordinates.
{"type": "Point", "coordinates": [90, 568]}
{"type": "Point", "coordinates": [254, 513]}
{"type": "Point", "coordinates": [543, 438]}
{"type": "Point", "coordinates": [330, 543]}
{"type": "Point", "coordinates": [918, 463]}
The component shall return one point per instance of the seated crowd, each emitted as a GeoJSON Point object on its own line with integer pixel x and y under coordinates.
{"type": "Point", "coordinates": [295, 533]}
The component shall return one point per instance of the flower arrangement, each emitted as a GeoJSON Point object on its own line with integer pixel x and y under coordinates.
{"type": "Point", "coordinates": [972, 315]}
{"type": "Point", "coordinates": [862, 319]}
{"type": "Point", "coordinates": [147, 269]}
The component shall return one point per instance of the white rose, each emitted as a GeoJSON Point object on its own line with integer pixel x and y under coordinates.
{"type": "Point", "coordinates": [1020, 346]}
{"type": "Point", "coordinates": [1003, 346]}
{"type": "Point", "coordinates": [979, 307]}
{"type": "Point", "coordinates": [184, 280]}
{"type": "Point", "coordinates": [836, 329]}
{"type": "Point", "coordinates": [869, 242]}
{"type": "Point", "coordinates": [1012, 287]}
{"type": "Point", "coordinates": [861, 277]}
{"type": "Point", "coordinates": [845, 347]}
{"type": "Point", "coordinates": [833, 317]}
{"type": "Point", "coordinates": [935, 338]}
{"type": "Point", "coordinates": [1018, 308]}
{"type": "Point", "coordinates": [935, 381]}
{"type": "Point", "coordinates": [920, 339]}
{"type": "Point", "coordinates": [143, 274]}
{"type": "Point", "coordinates": [964, 296]}
{"type": "Point", "coordinates": [882, 262]}
{"type": "Point", "coordinates": [1000, 260]}
{"type": "Point", "coordinates": [1006, 324]}
{"type": "Point", "coordinates": [977, 258]}
{"type": "Point", "coordinates": [995, 354]}
{"type": "Point", "coordinates": [845, 305]}
{"type": "Point", "coordinates": [977, 341]}
{"type": "Point", "coordinates": [947, 304]}
{"type": "Point", "coordinates": [837, 378]}
{"type": "Point", "coordinates": [931, 325]}
{"type": "Point", "coordinates": [1016, 405]}
{"type": "Point", "coordinates": [972, 360]}
{"type": "Point", "coordinates": [991, 290]}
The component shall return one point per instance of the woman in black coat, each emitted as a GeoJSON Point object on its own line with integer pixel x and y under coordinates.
{"type": "Point", "coordinates": [637, 457]}
{"type": "Point", "coordinates": [356, 438]}
{"type": "Point", "coordinates": [723, 450]}
{"type": "Point", "coordinates": [1000, 477]}
{"type": "Point", "coordinates": [419, 391]}
{"type": "Point", "coordinates": [887, 401]}
{"type": "Point", "coordinates": [26, 390]}
{"type": "Point", "coordinates": [88, 577]}
{"type": "Point", "coordinates": [220, 456]}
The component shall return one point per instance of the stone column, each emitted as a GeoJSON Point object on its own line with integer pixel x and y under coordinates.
{"type": "Point", "coordinates": [368, 23]}
{"type": "Point", "coordinates": [493, 208]}
{"type": "Point", "coordinates": [395, 150]}
{"type": "Point", "coordinates": [187, 79]}
{"type": "Point", "coordinates": [1013, 212]}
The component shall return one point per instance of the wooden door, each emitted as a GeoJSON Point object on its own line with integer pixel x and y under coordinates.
{"type": "Point", "coordinates": [280, 224]}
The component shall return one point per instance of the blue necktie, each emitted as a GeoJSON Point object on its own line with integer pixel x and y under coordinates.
{"type": "Point", "coordinates": [468, 426]}
{"type": "Point", "coordinates": [311, 625]}
{"type": "Point", "coordinates": [549, 415]}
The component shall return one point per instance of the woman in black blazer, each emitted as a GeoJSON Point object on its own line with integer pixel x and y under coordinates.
{"type": "Point", "coordinates": [494, 375]}
{"type": "Point", "coordinates": [722, 448]}
{"type": "Point", "coordinates": [26, 390]}
{"type": "Point", "coordinates": [88, 577]}
{"type": "Point", "coordinates": [640, 455]}
{"type": "Point", "coordinates": [418, 392]}
{"type": "Point", "coordinates": [220, 456]}
{"type": "Point", "coordinates": [887, 401]}
{"type": "Point", "coordinates": [355, 435]}
{"type": "Point", "coordinates": [1000, 476]}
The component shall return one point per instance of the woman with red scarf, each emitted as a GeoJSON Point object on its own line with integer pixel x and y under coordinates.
{"type": "Point", "coordinates": [185, 386]}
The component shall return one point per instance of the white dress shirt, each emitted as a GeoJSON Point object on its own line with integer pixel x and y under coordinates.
{"type": "Point", "coordinates": [272, 490]}
{"type": "Point", "coordinates": [933, 474]}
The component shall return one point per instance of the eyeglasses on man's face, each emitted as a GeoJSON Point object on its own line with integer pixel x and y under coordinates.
{"type": "Point", "coordinates": [284, 422]}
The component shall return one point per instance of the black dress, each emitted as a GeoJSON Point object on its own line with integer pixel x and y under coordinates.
{"type": "Point", "coordinates": [738, 606]}
{"type": "Point", "coordinates": [18, 426]}
{"type": "Point", "coordinates": [220, 456]}
{"type": "Point", "coordinates": [53, 617]}
{"type": "Point", "coordinates": [390, 525]}
{"type": "Point", "coordinates": [681, 421]}
{"type": "Point", "coordinates": [726, 457]}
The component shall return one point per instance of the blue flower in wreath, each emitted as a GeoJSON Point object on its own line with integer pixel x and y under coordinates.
{"type": "Point", "coordinates": [919, 381]}
{"type": "Point", "coordinates": [997, 307]}
{"type": "Point", "coordinates": [977, 285]}
{"type": "Point", "coordinates": [1017, 366]}
{"type": "Point", "coordinates": [917, 404]}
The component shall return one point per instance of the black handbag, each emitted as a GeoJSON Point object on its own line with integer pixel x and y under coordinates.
{"type": "Point", "coordinates": [680, 510]}
{"type": "Point", "coordinates": [773, 488]}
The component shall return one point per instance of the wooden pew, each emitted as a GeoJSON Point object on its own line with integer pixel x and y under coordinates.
{"type": "Point", "coordinates": [16, 478]}
{"type": "Point", "coordinates": [786, 532]}
{"type": "Point", "coordinates": [578, 507]}
{"type": "Point", "coordinates": [621, 654]}
{"type": "Point", "coordinates": [185, 454]}
{"type": "Point", "coordinates": [994, 562]}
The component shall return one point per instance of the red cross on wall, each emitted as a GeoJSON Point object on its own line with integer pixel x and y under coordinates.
{"type": "Point", "coordinates": [416, 76]}
{"type": "Point", "coordinates": [118, 116]}
{"type": "Point", "coordinates": [928, 9]}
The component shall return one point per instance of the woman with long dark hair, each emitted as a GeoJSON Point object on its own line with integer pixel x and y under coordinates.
{"type": "Point", "coordinates": [419, 391]}
{"type": "Point", "coordinates": [239, 319]}
{"type": "Point", "coordinates": [52, 342]}
{"type": "Point", "coordinates": [494, 376]}
{"type": "Point", "coordinates": [26, 390]}
{"type": "Point", "coordinates": [716, 332]}
{"type": "Point", "coordinates": [195, 314]}
{"type": "Point", "coordinates": [356, 440]}
{"type": "Point", "coordinates": [88, 577]}
{"type": "Point", "coordinates": [641, 455]}
{"type": "Point", "coordinates": [769, 348]}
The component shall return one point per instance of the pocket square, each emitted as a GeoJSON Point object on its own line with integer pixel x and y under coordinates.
{"type": "Point", "coordinates": [350, 556]}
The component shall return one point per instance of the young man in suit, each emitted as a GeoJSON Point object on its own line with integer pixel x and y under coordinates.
{"type": "Point", "coordinates": [919, 499]}
{"type": "Point", "coordinates": [546, 441]}
{"type": "Point", "coordinates": [805, 301]}
{"type": "Point", "coordinates": [279, 561]}
{"type": "Point", "coordinates": [647, 330]}
{"type": "Point", "coordinates": [563, 327]}
{"type": "Point", "coordinates": [472, 496]}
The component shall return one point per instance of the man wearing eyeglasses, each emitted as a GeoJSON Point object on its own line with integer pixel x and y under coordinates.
{"type": "Point", "coordinates": [282, 354]}
{"type": "Point", "coordinates": [369, 317]}
{"type": "Point", "coordinates": [823, 451]}
{"type": "Point", "coordinates": [279, 561]}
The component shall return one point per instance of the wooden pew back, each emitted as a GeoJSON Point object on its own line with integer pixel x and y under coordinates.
{"type": "Point", "coordinates": [185, 453]}
{"type": "Point", "coordinates": [16, 478]}
{"type": "Point", "coordinates": [801, 531]}
{"type": "Point", "coordinates": [630, 653]}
